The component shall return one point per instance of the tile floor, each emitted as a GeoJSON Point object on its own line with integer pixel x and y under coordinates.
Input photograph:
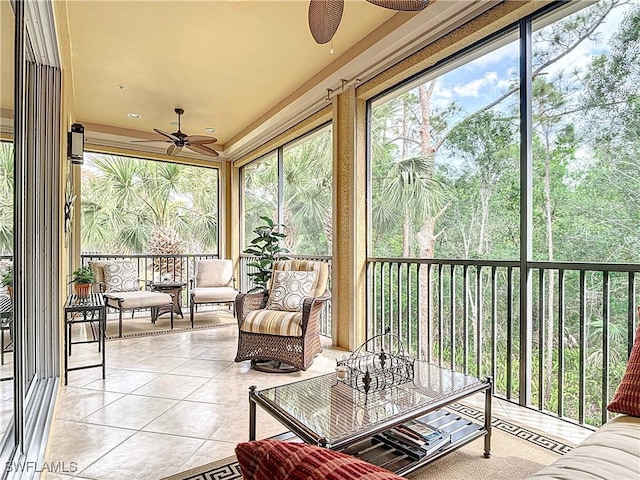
{"type": "Point", "coordinates": [176, 401]}
{"type": "Point", "coordinates": [6, 382]}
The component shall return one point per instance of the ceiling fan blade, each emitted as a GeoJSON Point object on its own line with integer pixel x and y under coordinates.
{"type": "Point", "coordinates": [171, 136]}
{"type": "Point", "coordinates": [202, 149]}
{"type": "Point", "coordinates": [144, 141]}
{"type": "Point", "coordinates": [200, 139]}
{"type": "Point", "coordinates": [173, 150]}
{"type": "Point", "coordinates": [401, 5]}
{"type": "Point", "coordinates": [324, 18]}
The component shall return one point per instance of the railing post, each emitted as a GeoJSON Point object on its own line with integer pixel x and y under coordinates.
{"type": "Point", "coordinates": [526, 212]}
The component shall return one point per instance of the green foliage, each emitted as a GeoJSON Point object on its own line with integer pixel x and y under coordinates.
{"type": "Point", "coordinates": [83, 275]}
{"type": "Point", "coordinates": [126, 200]}
{"type": "Point", "coordinates": [7, 277]}
{"type": "Point", "coordinates": [586, 199]}
{"type": "Point", "coordinates": [266, 248]}
{"type": "Point", "coordinates": [307, 166]}
{"type": "Point", "coordinates": [6, 197]}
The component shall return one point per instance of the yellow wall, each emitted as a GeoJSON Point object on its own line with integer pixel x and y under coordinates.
{"type": "Point", "coordinates": [68, 177]}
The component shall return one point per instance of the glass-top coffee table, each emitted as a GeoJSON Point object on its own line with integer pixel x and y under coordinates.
{"type": "Point", "coordinates": [323, 411]}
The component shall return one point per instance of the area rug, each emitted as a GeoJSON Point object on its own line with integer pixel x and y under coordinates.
{"type": "Point", "coordinates": [141, 326]}
{"type": "Point", "coordinates": [516, 453]}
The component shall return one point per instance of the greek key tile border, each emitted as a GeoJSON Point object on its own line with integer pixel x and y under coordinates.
{"type": "Point", "coordinates": [231, 471]}
{"type": "Point", "coordinates": [543, 441]}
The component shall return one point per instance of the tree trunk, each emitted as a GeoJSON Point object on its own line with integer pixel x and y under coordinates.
{"type": "Point", "coordinates": [426, 241]}
{"type": "Point", "coordinates": [548, 212]}
{"type": "Point", "coordinates": [426, 238]}
{"type": "Point", "coordinates": [327, 226]}
{"type": "Point", "coordinates": [485, 197]}
{"type": "Point", "coordinates": [289, 242]}
{"type": "Point", "coordinates": [406, 217]}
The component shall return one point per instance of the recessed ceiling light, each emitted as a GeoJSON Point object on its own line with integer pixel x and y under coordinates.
{"type": "Point", "coordinates": [134, 115]}
{"type": "Point", "coordinates": [121, 87]}
{"type": "Point", "coordinates": [210, 130]}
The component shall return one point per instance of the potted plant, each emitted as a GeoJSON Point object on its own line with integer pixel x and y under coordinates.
{"type": "Point", "coordinates": [7, 280]}
{"type": "Point", "coordinates": [266, 248]}
{"type": "Point", "coordinates": [82, 279]}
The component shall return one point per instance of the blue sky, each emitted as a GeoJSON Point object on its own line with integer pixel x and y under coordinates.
{"type": "Point", "coordinates": [482, 80]}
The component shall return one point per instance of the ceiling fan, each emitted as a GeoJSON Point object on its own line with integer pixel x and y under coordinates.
{"type": "Point", "coordinates": [325, 15]}
{"type": "Point", "coordinates": [179, 140]}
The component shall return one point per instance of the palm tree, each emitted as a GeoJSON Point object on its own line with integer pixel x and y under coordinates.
{"type": "Point", "coordinates": [6, 197]}
{"type": "Point", "coordinates": [129, 205]}
{"type": "Point", "coordinates": [307, 194]}
{"type": "Point", "coordinates": [260, 193]}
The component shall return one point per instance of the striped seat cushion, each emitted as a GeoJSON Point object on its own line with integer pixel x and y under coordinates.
{"type": "Point", "coordinates": [5, 303]}
{"type": "Point", "coordinates": [275, 460]}
{"type": "Point", "coordinates": [627, 398]}
{"type": "Point", "coordinates": [273, 322]}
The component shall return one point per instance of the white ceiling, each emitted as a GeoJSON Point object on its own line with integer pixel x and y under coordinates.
{"type": "Point", "coordinates": [235, 65]}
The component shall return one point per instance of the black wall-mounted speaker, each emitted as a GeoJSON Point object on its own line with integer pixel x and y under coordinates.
{"type": "Point", "coordinates": [76, 143]}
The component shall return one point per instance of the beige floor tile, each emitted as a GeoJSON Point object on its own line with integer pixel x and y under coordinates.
{"type": "Point", "coordinates": [122, 359]}
{"type": "Point", "coordinates": [145, 456]}
{"type": "Point", "coordinates": [54, 476]}
{"type": "Point", "coordinates": [80, 378]}
{"type": "Point", "coordinates": [242, 370]}
{"type": "Point", "coordinates": [222, 335]}
{"type": "Point", "coordinates": [6, 390]}
{"type": "Point", "coordinates": [6, 414]}
{"type": "Point", "coordinates": [131, 411]}
{"type": "Point", "coordinates": [171, 386]}
{"type": "Point", "coordinates": [199, 367]}
{"type": "Point", "coordinates": [77, 403]}
{"type": "Point", "coordinates": [83, 443]}
{"type": "Point", "coordinates": [184, 350]}
{"type": "Point", "coordinates": [146, 349]}
{"type": "Point", "coordinates": [155, 363]}
{"type": "Point", "coordinates": [123, 381]}
{"type": "Point", "coordinates": [60, 476]}
{"type": "Point", "coordinates": [6, 370]}
{"type": "Point", "coordinates": [191, 419]}
{"type": "Point", "coordinates": [209, 452]}
{"type": "Point", "coordinates": [225, 351]}
{"type": "Point", "coordinates": [201, 418]}
{"type": "Point", "coordinates": [124, 344]}
{"type": "Point", "coordinates": [224, 391]}
{"type": "Point", "coordinates": [236, 427]}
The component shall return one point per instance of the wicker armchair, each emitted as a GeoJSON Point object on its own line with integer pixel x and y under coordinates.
{"type": "Point", "coordinates": [291, 340]}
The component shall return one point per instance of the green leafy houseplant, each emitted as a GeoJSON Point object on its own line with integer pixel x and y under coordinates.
{"type": "Point", "coordinates": [82, 279]}
{"type": "Point", "coordinates": [83, 276]}
{"type": "Point", "coordinates": [266, 247]}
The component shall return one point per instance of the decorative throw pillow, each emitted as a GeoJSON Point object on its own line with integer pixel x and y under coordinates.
{"type": "Point", "coordinates": [121, 277]}
{"type": "Point", "coordinates": [288, 289]}
{"type": "Point", "coordinates": [276, 460]}
{"type": "Point", "coordinates": [627, 398]}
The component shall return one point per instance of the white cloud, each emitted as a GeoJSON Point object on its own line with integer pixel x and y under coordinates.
{"type": "Point", "coordinates": [509, 51]}
{"type": "Point", "coordinates": [441, 91]}
{"type": "Point", "coordinates": [474, 87]}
